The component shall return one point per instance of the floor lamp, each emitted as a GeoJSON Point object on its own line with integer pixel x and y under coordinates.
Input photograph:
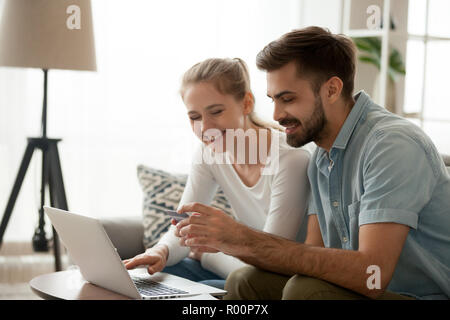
{"type": "Point", "coordinates": [45, 34]}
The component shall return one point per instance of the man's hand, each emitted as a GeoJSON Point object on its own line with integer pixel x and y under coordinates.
{"type": "Point", "coordinates": [209, 229]}
{"type": "Point", "coordinates": [155, 258]}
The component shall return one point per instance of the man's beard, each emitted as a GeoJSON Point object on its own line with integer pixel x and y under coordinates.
{"type": "Point", "coordinates": [311, 129]}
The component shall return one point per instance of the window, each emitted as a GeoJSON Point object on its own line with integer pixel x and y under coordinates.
{"type": "Point", "coordinates": [421, 34]}
{"type": "Point", "coordinates": [427, 69]}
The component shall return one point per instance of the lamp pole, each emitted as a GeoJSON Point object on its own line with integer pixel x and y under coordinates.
{"type": "Point", "coordinates": [40, 242]}
{"type": "Point", "coordinates": [44, 106]}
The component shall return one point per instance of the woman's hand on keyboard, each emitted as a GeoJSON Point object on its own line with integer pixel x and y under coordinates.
{"type": "Point", "coordinates": [154, 258]}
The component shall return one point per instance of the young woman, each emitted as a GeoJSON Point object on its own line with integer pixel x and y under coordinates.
{"type": "Point", "coordinates": [219, 105]}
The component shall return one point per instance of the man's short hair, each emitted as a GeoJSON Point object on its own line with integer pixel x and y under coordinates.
{"type": "Point", "coordinates": [319, 55]}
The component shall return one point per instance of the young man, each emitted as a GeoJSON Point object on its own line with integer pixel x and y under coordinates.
{"type": "Point", "coordinates": [379, 217]}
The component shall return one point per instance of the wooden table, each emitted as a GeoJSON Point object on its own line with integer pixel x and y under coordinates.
{"type": "Point", "coordinates": [70, 285]}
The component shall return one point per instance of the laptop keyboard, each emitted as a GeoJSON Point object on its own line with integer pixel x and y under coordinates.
{"type": "Point", "coordinates": [148, 287]}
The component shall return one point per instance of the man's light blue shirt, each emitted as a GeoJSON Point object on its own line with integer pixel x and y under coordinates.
{"type": "Point", "coordinates": [383, 168]}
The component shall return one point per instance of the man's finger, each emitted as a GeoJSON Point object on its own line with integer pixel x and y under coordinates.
{"type": "Point", "coordinates": [183, 241]}
{"type": "Point", "coordinates": [196, 207]}
{"type": "Point", "coordinates": [197, 219]}
{"type": "Point", "coordinates": [200, 241]}
{"type": "Point", "coordinates": [181, 224]}
{"type": "Point", "coordinates": [193, 230]}
{"type": "Point", "coordinates": [194, 219]}
{"type": "Point", "coordinates": [204, 249]}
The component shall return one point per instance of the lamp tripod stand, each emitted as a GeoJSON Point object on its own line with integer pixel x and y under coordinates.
{"type": "Point", "coordinates": [51, 178]}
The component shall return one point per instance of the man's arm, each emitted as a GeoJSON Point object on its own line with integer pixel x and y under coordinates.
{"type": "Point", "coordinates": [379, 244]}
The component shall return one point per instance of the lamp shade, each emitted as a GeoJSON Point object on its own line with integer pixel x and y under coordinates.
{"type": "Point", "coordinates": [47, 34]}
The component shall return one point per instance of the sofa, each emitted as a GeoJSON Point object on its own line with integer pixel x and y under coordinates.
{"type": "Point", "coordinates": [126, 233]}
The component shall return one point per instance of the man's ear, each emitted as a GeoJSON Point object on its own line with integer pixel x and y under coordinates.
{"type": "Point", "coordinates": [249, 103]}
{"type": "Point", "coordinates": [333, 89]}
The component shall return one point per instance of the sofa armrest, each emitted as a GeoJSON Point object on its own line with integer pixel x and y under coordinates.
{"type": "Point", "coordinates": [126, 234]}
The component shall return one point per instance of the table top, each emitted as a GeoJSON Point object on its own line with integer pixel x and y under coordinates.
{"type": "Point", "coordinates": [70, 285]}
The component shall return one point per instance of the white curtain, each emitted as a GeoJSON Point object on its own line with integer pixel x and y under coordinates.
{"type": "Point", "coordinates": [129, 111]}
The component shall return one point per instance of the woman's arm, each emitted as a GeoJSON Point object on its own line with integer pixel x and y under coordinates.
{"type": "Point", "coordinates": [200, 187]}
{"type": "Point", "coordinates": [220, 263]}
{"type": "Point", "coordinates": [290, 195]}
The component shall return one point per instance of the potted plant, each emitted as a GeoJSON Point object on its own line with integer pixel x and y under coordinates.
{"type": "Point", "coordinates": [370, 52]}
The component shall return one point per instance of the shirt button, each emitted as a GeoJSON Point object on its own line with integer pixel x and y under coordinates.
{"type": "Point", "coordinates": [344, 239]}
{"type": "Point", "coordinates": [335, 204]}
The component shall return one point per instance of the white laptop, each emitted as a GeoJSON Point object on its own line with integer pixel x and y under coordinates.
{"type": "Point", "coordinates": [91, 249]}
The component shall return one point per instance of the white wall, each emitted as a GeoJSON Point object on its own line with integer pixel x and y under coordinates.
{"type": "Point", "coordinates": [129, 111]}
{"type": "Point", "coordinates": [323, 13]}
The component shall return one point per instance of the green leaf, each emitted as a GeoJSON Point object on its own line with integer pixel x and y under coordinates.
{"type": "Point", "coordinates": [371, 49]}
{"type": "Point", "coordinates": [392, 75]}
{"type": "Point", "coordinates": [396, 62]}
{"type": "Point", "coordinates": [370, 45]}
{"type": "Point", "coordinates": [371, 60]}
{"type": "Point", "coordinates": [362, 44]}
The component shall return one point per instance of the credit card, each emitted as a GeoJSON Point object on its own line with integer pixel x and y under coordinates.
{"type": "Point", "coordinates": [177, 216]}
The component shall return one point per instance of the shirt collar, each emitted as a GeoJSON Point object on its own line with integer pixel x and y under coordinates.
{"type": "Point", "coordinates": [355, 114]}
{"type": "Point", "coordinates": [358, 111]}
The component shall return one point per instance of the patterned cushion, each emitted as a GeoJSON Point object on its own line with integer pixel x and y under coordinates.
{"type": "Point", "coordinates": [163, 191]}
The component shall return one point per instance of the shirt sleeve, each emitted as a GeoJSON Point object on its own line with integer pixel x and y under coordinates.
{"type": "Point", "coordinates": [221, 264]}
{"type": "Point", "coordinates": [398, 179]}
{"type": "Point", "coordinates": [290, 195]}
{"type": "Point", "coordinates": [200, 187]}
{"type": "Point", "coordinates": [311, 206]}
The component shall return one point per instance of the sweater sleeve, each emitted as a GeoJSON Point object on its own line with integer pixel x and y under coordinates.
{"type": "Point", "coordinates": [200, 187]}
{"type": "Point", "coordinates": [221, 264]}
{"type": "Point", "coordinates": [290, 195]}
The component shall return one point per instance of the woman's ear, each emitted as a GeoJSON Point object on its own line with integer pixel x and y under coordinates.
{"type": "Point", "coordinates": [249, 103]}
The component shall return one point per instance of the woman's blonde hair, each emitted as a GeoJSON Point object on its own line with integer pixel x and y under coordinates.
{"type": "Point", "coordinates": [229, 76]}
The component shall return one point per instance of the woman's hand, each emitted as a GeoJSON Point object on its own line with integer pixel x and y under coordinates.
{"type": "Point", "coordinates": [196, 255]}
{"type": "Point", "coordinates": [155, 258]}
{"type": "Point", "coordinates": [209, 229]}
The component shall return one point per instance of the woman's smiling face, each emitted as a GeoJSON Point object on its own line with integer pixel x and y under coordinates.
{"type": "Point", "coordinates": [213, 112]}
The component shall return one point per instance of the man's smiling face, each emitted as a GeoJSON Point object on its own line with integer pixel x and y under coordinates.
{"type": "Point", "coordinates": [296, 106]}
